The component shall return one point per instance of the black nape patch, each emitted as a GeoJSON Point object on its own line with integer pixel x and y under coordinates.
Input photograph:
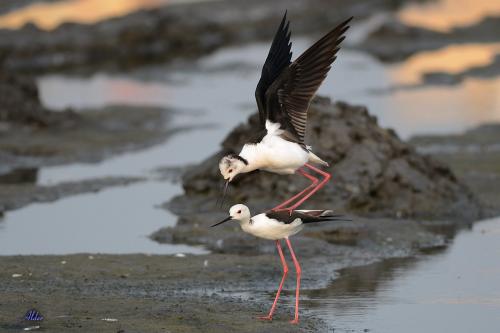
{"type": "Point", "coordinates": [238, 157]}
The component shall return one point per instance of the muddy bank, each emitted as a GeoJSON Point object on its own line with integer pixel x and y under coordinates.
{"type": "Point", "coordinates": [396, 41]}
{"type": "Point", "coordinates": [178, 31]}
{"type": "Point", "coordinates": [490, 70]}
{"type": "Point", "coordinates": [474, 157]}
{"type": "Point", "coordinates": [374, 173]}
{"type": "Point", "coordinates": [144, 294]}
{"type": "Point", "coordinates": [32, 136]}
{"type": "Point", "coordinates": [20, 105]}
{"type": "Point", "coordinates": [95, 135]}
{"type": "Point", "coordinates": [21, 193]}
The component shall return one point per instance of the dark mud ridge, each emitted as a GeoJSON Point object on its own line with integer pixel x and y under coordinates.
{"type": "Point", "coordinates": [171, 32]}
{"type": "Point", "coordinates": [32, 136]}
{"type": "Point", "coordinates": [375, 175]}
{"type": "Point", "coordinates": [395, 41]}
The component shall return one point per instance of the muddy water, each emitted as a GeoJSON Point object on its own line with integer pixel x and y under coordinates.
{"type": "Point", "coordinates": [453, 290]}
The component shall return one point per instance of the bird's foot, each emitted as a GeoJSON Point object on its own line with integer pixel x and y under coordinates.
{"type": "Point", "coordinates": [295, 321]}
{"type": "Point", "coordinates": [270, 318]}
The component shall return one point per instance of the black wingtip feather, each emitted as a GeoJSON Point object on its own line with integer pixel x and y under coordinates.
{"type": "Point", "coordinates": [277, 60]}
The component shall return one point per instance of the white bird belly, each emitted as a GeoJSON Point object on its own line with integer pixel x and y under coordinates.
{"type": "Point", "coordinates": [261, 226]}
{"type": "Point", "coordinates": [282, 156]}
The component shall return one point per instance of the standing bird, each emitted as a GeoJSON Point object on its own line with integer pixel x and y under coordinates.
{"type": "Point", "coordinates": [277, 225]}
{"type": "Point", "coordinates": [283, 94]}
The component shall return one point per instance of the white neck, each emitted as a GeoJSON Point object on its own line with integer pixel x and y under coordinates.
{"type": "Point", "coordinates": [245, 223]}
{"type": "Point", "coordinates": [252, 153]}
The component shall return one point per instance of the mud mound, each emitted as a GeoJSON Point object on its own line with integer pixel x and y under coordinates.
{"type": "Point", "coordinates": [374, 173]}
{"type": "Point", "coordinates": [20, 104]}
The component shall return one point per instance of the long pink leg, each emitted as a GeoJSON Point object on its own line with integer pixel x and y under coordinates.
{"type": "Point", "coordinates": [285, 272]}
{"type": "Point", "coordinates": [298, 271]}
{"type": "Point", "coordinates": [326, 178]}
{"type": "Point", "coordinates": [314, 182]}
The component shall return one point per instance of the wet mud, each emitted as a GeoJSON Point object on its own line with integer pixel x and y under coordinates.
{"type": "Point", "coordinates": [32, 136]}
{"type": "Point", "coordinates": [395, 41]}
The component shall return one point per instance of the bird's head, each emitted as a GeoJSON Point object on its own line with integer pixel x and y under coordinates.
{"type": "Point", "coordinates": [237, 212]}
{"type": "Point", "coordinates": [231, 165]}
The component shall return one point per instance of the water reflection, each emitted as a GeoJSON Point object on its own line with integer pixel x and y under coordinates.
{"type": "Point", "coordinates": [117, 220]}
{"type": "Point", "coordinates": [452, 59]}
{"type": "Point", "coordinates": [50, 15]}
{"type": "Point", "coordinates": [446, 14]}
{"type": "Point", "coordinates": [455, 290]}
{"type": "Point", "coordinates": [216, 88]}
{"type": "Point", "coordinates": [440, 110]}
{"type": "Point", "coordinates": [101, 90]}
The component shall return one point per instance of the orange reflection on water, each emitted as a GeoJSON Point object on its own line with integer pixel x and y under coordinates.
{"type": "Point", "coordinates": [446, 14]}
{"type": "Point", "coordinates": [50, 15]}
{"type": "Point", "coordinates": [433, 110]}
{"type": "Point", "coordinates": [453, 59]}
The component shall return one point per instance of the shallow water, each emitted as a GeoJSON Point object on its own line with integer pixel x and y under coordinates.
{"type": "Point", "coordinates": [455, 290]}
{"type": "Point", "coordinates": [215, 93]}
{"type": "Point", "coordinates": [116, 220]}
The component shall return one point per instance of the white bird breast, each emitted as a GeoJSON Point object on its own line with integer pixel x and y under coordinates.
{"type": "Point", "coordinates": [282, 156]}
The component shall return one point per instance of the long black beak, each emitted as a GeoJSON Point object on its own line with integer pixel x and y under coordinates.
{"type": "Point", "coordinates": [229, 218]}
{"type": "Point", "coordinates": [224, 192]}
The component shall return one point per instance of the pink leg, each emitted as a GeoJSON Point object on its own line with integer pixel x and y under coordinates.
{"type": "Point", "coordinates": [326, 178]}
{"type": "Point", "coordinates": [314, 182]}
{"type": "Point", "coordinates": [285, 272]}
{"type": "Point", "coordinates": [298, 271]}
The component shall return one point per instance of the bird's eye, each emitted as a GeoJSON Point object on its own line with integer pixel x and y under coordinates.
{"type": "Point", "coordinates": [230, 170]}
{"type": "Point", "coordinates": [239, 212]}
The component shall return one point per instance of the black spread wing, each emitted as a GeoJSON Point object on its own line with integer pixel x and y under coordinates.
{"type": "Point", "coordinates": [277, 60]}
{"type": "Point", "coordinates": [288, 98]}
